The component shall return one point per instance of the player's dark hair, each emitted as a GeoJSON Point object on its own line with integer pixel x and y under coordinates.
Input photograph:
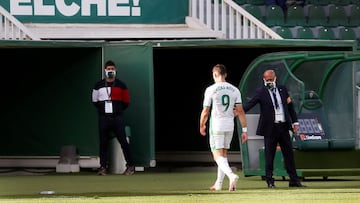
{"type": "Point", "coordinates": [220, 68]}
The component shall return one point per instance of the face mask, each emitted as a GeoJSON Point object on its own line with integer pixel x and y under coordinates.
{"type": "Point", "coordinates": [110, 73]}
{"type": "Point", "coordinates": [270, 85]}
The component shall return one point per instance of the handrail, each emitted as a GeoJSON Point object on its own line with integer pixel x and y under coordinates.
{"type": "Point", "coordinates": [12, 29]}
{"type": "Point", "coordinates": [231, 19]}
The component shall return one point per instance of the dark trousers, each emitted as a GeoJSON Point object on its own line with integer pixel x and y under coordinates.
{"type": "Point", "coordinates": [280, 135]}
{"type": "Point", "coordinates": [281, 3]}
{"type": "Point", "coordinates": [116, 125]}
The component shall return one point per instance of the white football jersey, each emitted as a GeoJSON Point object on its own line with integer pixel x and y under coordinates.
{"type": "Point", "coordinates": [221, 97]}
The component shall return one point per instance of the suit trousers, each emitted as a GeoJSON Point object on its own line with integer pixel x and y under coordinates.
{"type": "Point", "coordinates": [279, 135]}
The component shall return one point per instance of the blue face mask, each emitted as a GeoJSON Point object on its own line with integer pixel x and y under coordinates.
{"type": "Point", "coordinates": [110, 73]}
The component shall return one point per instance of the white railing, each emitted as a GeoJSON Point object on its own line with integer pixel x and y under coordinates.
{"type": "Point", "coordinates": [232, 20]}
{"type": "Point", "coordinates": [12, 29]}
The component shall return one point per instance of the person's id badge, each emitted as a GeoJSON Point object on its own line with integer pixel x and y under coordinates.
{"type": "Point", "coordinates": [278, 115]}
{"type": "Point", "coordinates": [108, 107]}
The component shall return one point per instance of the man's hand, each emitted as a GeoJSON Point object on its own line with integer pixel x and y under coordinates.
{"type": "Point", "coordinates": [244, 137]}
{"type": "Point", "coordinates": [203, 130]}
{"type": "Point", "coordinates": [296, 129]}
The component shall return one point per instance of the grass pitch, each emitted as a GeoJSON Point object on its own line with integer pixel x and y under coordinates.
{"type": "Point", "coordinates": [168, 187]}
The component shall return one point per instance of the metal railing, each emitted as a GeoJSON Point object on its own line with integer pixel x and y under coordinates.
{"type": "Point", "coordinates": [12, 29]}
{"type": "Point", "coordinates": [232, 20]}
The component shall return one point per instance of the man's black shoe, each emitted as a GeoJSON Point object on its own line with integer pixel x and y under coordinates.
{"type": "Point", "coordinates": [102, 171]}
{"type": "Point", "coordinates": [271, 185]}
{"type": "Point", "coordinates": [296, 184]}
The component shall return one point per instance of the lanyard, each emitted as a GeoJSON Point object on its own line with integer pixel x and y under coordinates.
{"type": "Point", "coordinates": [107, 89]}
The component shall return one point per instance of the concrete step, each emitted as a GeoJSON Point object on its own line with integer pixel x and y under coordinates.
{"type": "Point", "coordinates": [120, 31]}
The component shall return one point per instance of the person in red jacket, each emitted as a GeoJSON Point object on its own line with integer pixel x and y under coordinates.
{"type": "Point", "coordinates": [111, 98]}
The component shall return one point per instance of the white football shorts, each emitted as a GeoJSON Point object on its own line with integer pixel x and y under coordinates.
{"type": "Point", "coordinates": [220, 140]}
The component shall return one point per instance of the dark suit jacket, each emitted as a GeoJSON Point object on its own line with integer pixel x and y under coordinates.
{"type": "Point", "coordinates": [267, 112]}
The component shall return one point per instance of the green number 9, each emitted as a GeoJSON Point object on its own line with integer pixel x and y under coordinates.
{"type": "Point", "coordinates": [225, 101]}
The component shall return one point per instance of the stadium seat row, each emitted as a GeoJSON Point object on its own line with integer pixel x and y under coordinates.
{"type": "Point", "coordinates": [309, 15]}
{"type": "Point", "coordinates": [317, 19]}
{"type": "Point", "coordinates": [315, 2]}
{"type": "Point", "coordinates": [319, 32]}
{"type": "Point", "coordinates": [336, 2]}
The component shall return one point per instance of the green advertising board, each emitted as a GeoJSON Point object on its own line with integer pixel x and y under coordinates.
{"type": "Point", "coordinates": [99, 11]}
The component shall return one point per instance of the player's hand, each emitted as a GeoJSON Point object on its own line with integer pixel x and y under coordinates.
{"type": "Point", "coordinates": [244, 137]}
{"type": "Point", "coordinates": [203, 130]}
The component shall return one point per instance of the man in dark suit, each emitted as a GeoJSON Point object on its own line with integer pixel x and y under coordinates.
{"type": "Point", "coordinates": [277, 117]}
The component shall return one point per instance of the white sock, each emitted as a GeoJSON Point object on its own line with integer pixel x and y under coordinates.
{"type": "Point", "coordinates": [223, 164]}
{"type": "Point", "coordinates": [220, 176]}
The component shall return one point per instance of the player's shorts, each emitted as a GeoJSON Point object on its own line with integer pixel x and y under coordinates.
{"type": "Point", "coordinates": [220, 140]}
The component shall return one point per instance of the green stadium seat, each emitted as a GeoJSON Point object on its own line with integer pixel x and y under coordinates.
{"type": "Point", "coordinates": [256, 2]}
{"type": "Point", "coordinates": [295, 16]}
{"type": "Point", "coordinates": [319, 2]}
{"type": "Point", "coordinates": [316, 16]}
{"type": "Point", "coordinates": [324, 2]}
{"type": "Point", "coordinates": [290, 3]}
{"type": "Point", "coordinates": [341, 2]}
{"type": "Point", "coordinates": [337, 16]}
{"type": "Point", "coordinates": [346, 33]}
{"type": "Point", "coordinates": [255, 11]}
{"type": "Point", "coordinates": [304, 33]}
{"type": "Point", "coordinates": [274, 16]}
{"type": "Point", "coordinates": [354, 15]}
{"type": "Point", "coordinates": [240, 2]}
{"type": "Point", "coordinates": [284, 32]}
{"type": "Point", "coordinates": [325, 33]}
{"type": "Point", "coordinates": [355, 2]}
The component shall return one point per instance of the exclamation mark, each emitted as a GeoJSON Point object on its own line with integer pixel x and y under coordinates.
{"type": "Point", "coordinates": [135, 10]}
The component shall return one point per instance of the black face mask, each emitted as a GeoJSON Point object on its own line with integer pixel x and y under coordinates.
{"type": "Point", "coordinates": [110, 74]}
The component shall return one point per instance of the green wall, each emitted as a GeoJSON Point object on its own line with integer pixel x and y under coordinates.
{"type": "Point", "coordinates": [47, 97]}
{"type": "Point", "coordinates": [78, 11]}
{"type": "Point", "coordinates": [135, 68]}
{"type": "Point", "coordinates": [46, 100]}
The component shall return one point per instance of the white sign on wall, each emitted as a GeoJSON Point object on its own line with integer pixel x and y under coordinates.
{"type": "Point", "coordinates": [103, 8]}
